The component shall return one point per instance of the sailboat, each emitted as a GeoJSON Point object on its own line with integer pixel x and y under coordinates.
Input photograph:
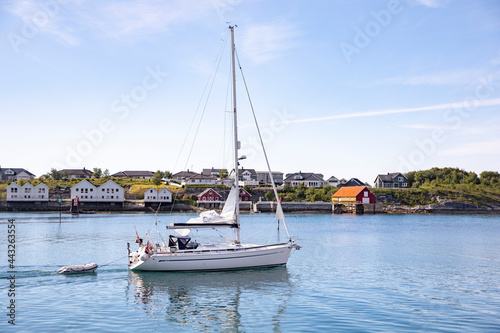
{"type": "Point", "coordinates": [183, 254]}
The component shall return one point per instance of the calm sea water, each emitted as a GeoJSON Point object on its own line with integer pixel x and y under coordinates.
{"type": "Point", "coordinates": [382, 273]}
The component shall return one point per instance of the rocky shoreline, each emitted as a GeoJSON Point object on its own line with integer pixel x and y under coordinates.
{"type": "Point", "coordinates": [444, 207]}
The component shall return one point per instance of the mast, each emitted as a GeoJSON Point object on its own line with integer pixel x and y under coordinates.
{"type": "Point", "coordinates": [236, 143]}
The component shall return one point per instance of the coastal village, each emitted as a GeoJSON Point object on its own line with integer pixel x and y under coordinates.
{"type": "Point", "coordinates": [94, 191]}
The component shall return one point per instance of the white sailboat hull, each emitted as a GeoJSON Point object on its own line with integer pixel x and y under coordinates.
{"type": "Point", "coordinates": [221, 258]}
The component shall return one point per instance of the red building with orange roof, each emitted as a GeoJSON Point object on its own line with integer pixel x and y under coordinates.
{"type": "Point", "coordinates": [352, 195]}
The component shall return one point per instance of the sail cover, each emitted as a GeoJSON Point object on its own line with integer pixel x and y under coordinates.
{"type": "Point", "coordinates": [211, 218]}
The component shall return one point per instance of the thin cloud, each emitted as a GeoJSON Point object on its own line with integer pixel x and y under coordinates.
{"type": "Point", "coordinates": [135, 18]}
{"type": "Point", "coordinates": [114, 19]}
{"type": "Point", "coordinates": [457, 105]}
{"type": "Point", "coordinates": [46, 19]}
{"type": "Point", "coordinates": [434, 79]}
{"type": "Point", "coordinates": [432, 3]}
{"type": "Point", "coordinates": [464, 130]}
{"type": "Point", "coordinates": [263, 43]}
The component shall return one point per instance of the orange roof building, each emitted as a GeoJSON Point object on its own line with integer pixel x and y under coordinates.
{"type": "Point", "coordinates": [350, 195]}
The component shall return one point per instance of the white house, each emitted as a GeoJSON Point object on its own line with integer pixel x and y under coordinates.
{"type": "Point", "coordinates": [27, 192]}
{"type": "Point", "coordinates": [200, 180]}
{"type": "Point", "coordinates": [110, 191]}
{"type": "Point", "coordinates": [333, 181]}
{"type": "Point", "coordinates": [41, 192]}
{"type": "Point", "coordinates": [84, 191]}
{"type": "Point", "coordinates": [246, 177]}
{"type": "Point", "coordinates": [13, 192]}
{"type": "Point", "coordinates": [151, 195]}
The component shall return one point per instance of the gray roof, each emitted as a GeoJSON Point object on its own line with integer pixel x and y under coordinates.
{"type": "Point", "coordinates": [133, 173]}
{"type": "Point", "coordinates": [16, 171]}
{"type": "Point", "coordinates": [390, 176]}
{"type": "Point", "coordinates": [198, 176]}
{"type": "Point", "coordinates": [184, 174]}
{"type": "Point", "coordinates": [354, 182]}
{"type": "Point", "coordinates": [207, 172]}
{"type": "Point", "coordinates": [252, 171]}
{"type": "Point", "coordinates": [304, 176]}
{"type": "Point", "coordinates": [77, 172]}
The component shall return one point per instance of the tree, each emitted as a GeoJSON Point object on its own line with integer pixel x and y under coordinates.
{"type": "Point", "coordinates": [248, 188]}
{"type": "Point", "coordinates": [167, 175]}
{"type": "Point", "coordinates": [489, 177]}
{"type": "Point", "coordinates": [106, 173]}
{"type": "Point", "coordinates": [157, 178]}
{"type": "Point", "coordinates": [269, 196]}
{"type": "Point", "coordinates": [57, 175]}
{"type": "Point", "coordinates": [97, 173]}
{"type": "Point", "coordinates": [223, 174]}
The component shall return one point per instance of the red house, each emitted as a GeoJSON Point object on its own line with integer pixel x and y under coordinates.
{"type": "Point", "coordinates": [209, 195]}
{"type": "Point", "coordinates": [354, 195]}
{"type": "Point", "coordinates": [244, 195]}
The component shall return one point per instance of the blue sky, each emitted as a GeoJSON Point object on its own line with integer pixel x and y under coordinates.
{"type": "Point", "coordinates": [344, 88]}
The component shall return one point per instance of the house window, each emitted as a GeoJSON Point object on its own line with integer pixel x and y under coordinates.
{"type": "Point", "coordinates": [400, 179]}
{"type": "Point", "coordinates": [404, 185]}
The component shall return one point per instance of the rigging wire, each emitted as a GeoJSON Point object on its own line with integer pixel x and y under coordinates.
{"type": "Point", "coordinates": [206, 101]}
{"type": "Point", "coordinates": [263, 150]}
{"type": "Point", "coordinates": [211, 77]}
{"type": "Point", "coordinates": [214, 71]}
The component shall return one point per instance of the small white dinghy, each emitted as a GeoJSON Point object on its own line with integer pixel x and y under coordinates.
{"type": "Point", "coordinates": [75, 269]}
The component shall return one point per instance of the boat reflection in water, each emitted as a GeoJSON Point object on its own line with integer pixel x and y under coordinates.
{"type": "Point", "coordinates": [219, 300]}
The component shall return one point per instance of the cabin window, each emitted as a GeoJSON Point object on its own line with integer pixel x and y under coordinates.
{"type": "Point", "coordinates": [366, 194]}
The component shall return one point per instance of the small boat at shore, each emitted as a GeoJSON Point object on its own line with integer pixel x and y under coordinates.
{"type": "Point", "coordinates": [77, 269]}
